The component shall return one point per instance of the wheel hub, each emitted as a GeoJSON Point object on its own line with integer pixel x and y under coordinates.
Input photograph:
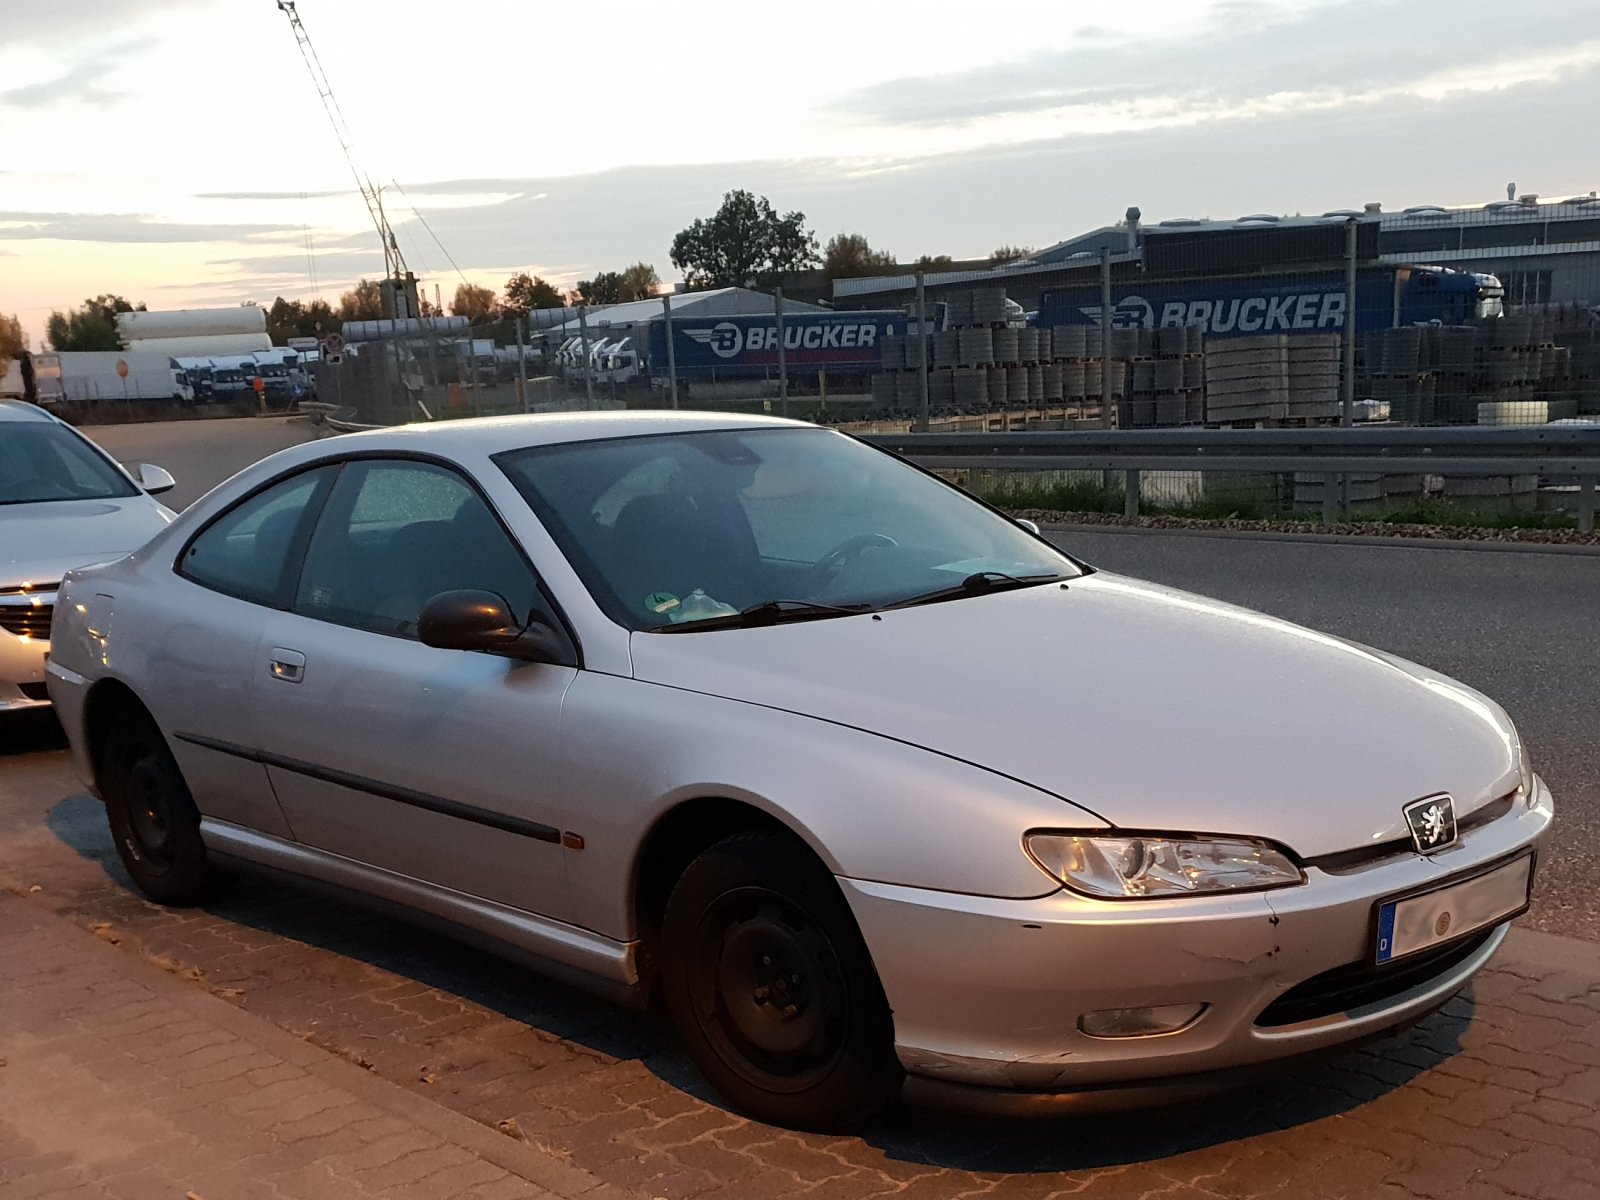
{"type": "Point", "coordinates": [149, 810]}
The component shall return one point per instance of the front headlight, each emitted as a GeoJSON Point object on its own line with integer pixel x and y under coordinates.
{"type": "Point", "coordinates": [1131, 868]}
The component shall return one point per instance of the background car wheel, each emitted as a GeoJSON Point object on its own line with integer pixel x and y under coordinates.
{"type": "Point", "coordinates": [153, 818]}
{"type": "Point", "coordinates": [771, 987]}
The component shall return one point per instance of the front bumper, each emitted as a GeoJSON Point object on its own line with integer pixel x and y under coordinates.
{"type": "Point", "coordinates": [21, 672]}
{"type": "Point", "coordinates": [987, 993]}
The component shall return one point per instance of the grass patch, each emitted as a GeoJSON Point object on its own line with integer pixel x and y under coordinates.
{"type": "Point", "coordinates": [1086, 495]}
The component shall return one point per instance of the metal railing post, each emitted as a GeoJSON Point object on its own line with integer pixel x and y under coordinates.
{"type": "Point", "coordinates": [1130, 493]}
{"type": "Point", "coordinates": [1586, 485]}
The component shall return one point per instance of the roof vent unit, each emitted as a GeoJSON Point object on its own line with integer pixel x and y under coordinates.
{"type": "Point", "coordinates": [1372, 206]}
{"type": "Point", "coordinates": [1531, 199]}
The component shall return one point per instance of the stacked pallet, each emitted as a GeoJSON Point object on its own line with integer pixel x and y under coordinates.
{"type": "Point", "coordinates": [1273, 377]}
{"type": "Point", "coordinates": [1509, 371]}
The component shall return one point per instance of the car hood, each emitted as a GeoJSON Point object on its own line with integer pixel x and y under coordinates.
{"type": "Point", "coordinates": [1153, 708]}
{"type": "Point", "coordinates": [41, 542]}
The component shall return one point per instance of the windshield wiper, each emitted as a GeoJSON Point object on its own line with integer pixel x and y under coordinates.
{"type": "Point", "coordinates": [768, 612]}
{"type": "Point", "coordinates": [979, 583]}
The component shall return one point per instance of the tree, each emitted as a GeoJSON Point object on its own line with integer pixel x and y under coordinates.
{"type": "Point", "coordinates": [744, 238]}
{"type": "Point", "coordinates": [638, 282]}
{"type": "Point", "coordinates": [473, 302]}
{"type": "Point", "coordinates": [525, 292]}
{"type": "Point", "coordinates": [847, 256]}
{"type": "Point", "coordinates": [928, 261]}
{"type": "Point", "coordinates": [13, 341]}
{"type": "Point", "coordinates": [604, 288]}
{"type": "Point", "coordinates": [365, 303]}
{"type": "Point", "coordinates": [91, 327]}
{"type": "Point", "coordinates": [1005, 254]}
{"type": "Point", "coordinates": [292, 318]}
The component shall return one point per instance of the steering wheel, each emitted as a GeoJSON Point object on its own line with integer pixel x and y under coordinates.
{"type": "Point", "coordinates": [841, 554]}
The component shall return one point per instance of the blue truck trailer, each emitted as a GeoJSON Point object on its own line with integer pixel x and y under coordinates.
{"type": "Point", "coordinates": [1292, 304]}
{"type": "Point", "coordinates": [838, 343]}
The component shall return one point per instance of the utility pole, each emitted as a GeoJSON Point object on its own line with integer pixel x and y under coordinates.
{"type": "Point", "coordinates": [672, 353]}
{"type": "Point", "coordinates": [522, 366]}
{"type": "Point", "coordinates": [1105, 355]}
{"type": "Point", "coordinates": [783, 362]}
{"type": "Point", "coordinates": [583, 335]}
{"type": "Point", "coordinates": [922, 358]}
{"type": "Point", "coordinates": [1347, 398]}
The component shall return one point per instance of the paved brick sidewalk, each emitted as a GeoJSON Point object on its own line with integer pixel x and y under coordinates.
{"type": "Point", "coordinates": [1496, 1096]}
{"type": "Point", "coordinates": [118, 1079]}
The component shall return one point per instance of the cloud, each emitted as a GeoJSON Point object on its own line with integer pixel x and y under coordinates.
{"type": "Point", "coordinates": [65, 22]}
{"type": "Point", "coordinates": [124, 227]}
{"type": "Point", "coordinates": [1251, 59]}
{"type": "Point", "coordinates": [80, 83]}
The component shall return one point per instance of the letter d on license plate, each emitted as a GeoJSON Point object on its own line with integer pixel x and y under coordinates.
{"type": "Point", "coordinates": [1417, 922]}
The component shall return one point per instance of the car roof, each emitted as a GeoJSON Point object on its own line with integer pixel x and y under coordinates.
{"type": "Point", "coordinates": [21, 410]}
{"type": "Point", "coordinates": [491, 435]}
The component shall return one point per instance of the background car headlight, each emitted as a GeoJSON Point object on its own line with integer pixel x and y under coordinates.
{"type": "Point", "coordinates": [1126, 868]}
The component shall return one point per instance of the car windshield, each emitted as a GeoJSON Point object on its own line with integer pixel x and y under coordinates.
{"type": "Point", "coordinates": [50, 462]}
{"type": "Point", "coordinates": [674, 529]}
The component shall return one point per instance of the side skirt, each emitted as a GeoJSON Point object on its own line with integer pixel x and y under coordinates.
{"type": "Point", "coordinates": [574, 956]}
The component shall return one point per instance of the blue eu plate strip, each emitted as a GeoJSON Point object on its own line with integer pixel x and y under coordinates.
{"type": "Point", "coordinates": [1386, 933]}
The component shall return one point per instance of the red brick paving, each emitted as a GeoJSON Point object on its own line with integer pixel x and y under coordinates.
{"type": "Point", "coordinates": [1495, 1096]}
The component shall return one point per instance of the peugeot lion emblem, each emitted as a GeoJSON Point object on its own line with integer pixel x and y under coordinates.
{"type": "Point", "coordinates": [1432, 822]}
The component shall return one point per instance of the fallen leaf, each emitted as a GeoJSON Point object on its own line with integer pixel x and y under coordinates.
{"type": "Point", "coordinates": [35, 888]}
{"type": "Point", "coordinates": [191, 1196]}
{"type": "Point", "coordinates": [430, 1078]}
{"type": "Point", "coordinates": [555, 1152]}
{"type": "Point", "coordinates": [510, 1129]}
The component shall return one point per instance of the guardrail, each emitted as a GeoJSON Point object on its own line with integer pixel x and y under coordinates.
{"type": "Point", "coordinates": [1555, 454]}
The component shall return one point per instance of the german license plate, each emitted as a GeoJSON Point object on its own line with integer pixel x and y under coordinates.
{"type": "Point", "coordinates": [1415, 923]}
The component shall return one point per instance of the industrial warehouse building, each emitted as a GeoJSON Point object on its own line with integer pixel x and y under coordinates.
{"type": "Point", "coordinates": [1542, 252]}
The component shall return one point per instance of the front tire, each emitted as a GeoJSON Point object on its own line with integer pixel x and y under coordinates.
{"type": "Point", "coordinates": [153, 817]}
{"type": "Point", "coordinates": [772, 989]}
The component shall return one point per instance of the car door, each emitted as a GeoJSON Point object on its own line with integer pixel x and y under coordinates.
{"type": "Point", "coordinates": [441, 765]}
{"type": "Point", "coordinates": [199, 638]}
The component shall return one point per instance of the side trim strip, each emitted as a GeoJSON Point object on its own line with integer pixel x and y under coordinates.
{"type": "Point", "coordinates": [375, 787]}
{"type": "Point", "coordinates": [587, 958]}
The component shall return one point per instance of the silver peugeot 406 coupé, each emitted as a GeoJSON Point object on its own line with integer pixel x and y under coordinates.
{"type": "Point", "coordinates": [877, 791]}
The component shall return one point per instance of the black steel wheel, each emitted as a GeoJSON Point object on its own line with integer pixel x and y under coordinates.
{"type": "Point", "coordinates": [772, 989]}
{"type": "Point", "coordinates": [153, 817]}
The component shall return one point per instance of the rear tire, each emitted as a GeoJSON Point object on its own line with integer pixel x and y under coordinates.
{"type": "Point", "coordinates": [153, 817]}
{"type": "Point", "coordinates": [772, 989]}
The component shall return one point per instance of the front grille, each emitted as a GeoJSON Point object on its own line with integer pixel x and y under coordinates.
{"type": "Point", "coordinates": [29, 621]}
{"type": "Point", "coordinates": [1359, 983]}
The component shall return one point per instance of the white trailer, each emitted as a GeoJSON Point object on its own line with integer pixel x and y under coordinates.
{"type": "Point", "coordinates": [89, 375]}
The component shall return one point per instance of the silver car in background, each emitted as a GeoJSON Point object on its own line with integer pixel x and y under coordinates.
{"type": "Point", "coordinates": [878, 792]}
{"type": "Point", "coordinates": [64, 503]}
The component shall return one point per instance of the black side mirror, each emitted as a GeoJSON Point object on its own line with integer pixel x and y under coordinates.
{"type": "Point", "coordinates": [473, 620]}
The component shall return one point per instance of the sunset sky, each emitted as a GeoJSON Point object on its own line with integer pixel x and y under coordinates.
{"type": "Point", "coordinates": [175, 152]}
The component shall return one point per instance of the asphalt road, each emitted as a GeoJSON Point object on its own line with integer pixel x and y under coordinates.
{"type": "Point", "coordinates": [200, 454]}
{"type": "Point", "coordinates": [1521, 627]}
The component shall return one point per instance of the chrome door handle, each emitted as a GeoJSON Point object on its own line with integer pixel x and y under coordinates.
{"type": "Point", "coordinates": [287, 665]}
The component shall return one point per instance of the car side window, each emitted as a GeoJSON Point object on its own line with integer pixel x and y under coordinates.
{"type": "Point", "coordinates": [251, 550]}
{"type": "Point", "coordinates": [397, 532]}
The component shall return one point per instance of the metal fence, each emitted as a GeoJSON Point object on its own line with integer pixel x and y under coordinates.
{"type": "Point", "coordinates": [1551, 469]}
